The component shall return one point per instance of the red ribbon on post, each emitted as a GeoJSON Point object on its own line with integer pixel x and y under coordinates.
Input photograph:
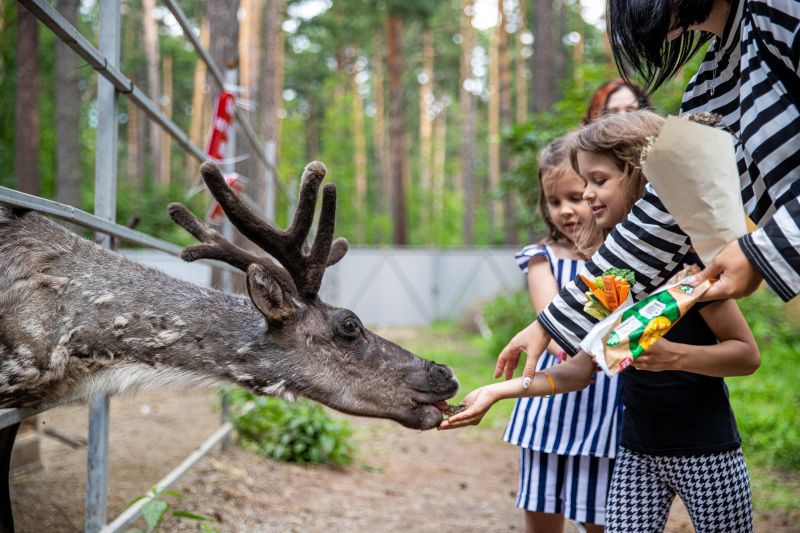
{"type": "Point", "coordinates": [220, 125]}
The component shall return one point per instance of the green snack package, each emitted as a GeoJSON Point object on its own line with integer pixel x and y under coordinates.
{"type": "Point", "coordinates": [620, 338]}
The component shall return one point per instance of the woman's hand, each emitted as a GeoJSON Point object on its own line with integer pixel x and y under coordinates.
{"type": "Point", "coordinates": [663, 355]}
{"type": "Point", "coordinates": [531, 340]}
{"type": "Point", "coordinates": [478, 403]}
{"type": "Point", "coordinates": [735, 274]}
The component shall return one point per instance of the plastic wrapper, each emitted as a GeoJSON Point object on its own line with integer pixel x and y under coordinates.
{"type": "Point", "coordinates": [630, 330]}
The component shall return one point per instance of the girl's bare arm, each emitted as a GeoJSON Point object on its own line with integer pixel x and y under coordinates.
{"type": "Point", "coordinates": [542, 287]}
{"type": "Point", "coordinates": [574, 374]}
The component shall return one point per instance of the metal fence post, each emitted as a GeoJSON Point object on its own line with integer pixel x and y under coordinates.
{"type": "Point", "coordinates": [231, 78]}
{"type": "Point", "coordinates": [104, 206]}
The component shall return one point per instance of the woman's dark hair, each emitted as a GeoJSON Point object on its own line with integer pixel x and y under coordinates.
{"type": "Point", "coordinates": [637, 31]}
{"type": "Point", "coordinates": [598, 103]}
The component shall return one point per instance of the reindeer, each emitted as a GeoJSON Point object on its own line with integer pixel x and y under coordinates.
{"type": "Point", "coordinates": [76, 319]}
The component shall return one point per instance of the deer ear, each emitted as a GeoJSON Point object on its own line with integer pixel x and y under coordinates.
{"type": "Point", "coordinates": [269, 295]}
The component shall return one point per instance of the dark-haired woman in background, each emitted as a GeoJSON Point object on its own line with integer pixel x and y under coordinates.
{"type": "Point", "coordinates": [749, 76]}
{"type": "Point", "coordinates": [616, 96]}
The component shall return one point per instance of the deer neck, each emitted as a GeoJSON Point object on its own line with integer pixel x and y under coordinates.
{"type": "Point", "coordinates": [198, 337]}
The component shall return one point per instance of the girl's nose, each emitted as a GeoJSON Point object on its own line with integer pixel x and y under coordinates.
{"type": "Point", "coordinates": [588, 194]}
{"type": "Point", "coordinates": [566, 208]}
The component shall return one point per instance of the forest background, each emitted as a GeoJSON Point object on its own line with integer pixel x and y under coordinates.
{"type": "Point", "coordinates": [428, 117]}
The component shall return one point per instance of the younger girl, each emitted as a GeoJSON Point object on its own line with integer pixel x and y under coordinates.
{"type": "Point", "coordinates": [679, 433]}
{"type": "Point", "coordinates": [567, 443]}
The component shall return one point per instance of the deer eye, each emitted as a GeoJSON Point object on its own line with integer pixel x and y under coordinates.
{"type": "Point", "coordinates": [350, 327]}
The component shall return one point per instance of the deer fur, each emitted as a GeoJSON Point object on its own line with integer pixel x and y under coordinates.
{"type": "Point", "coordinates": [76, 319]}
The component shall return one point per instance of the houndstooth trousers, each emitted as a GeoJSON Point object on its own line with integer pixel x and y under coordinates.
{"type": "Point", "coordinates": [714, 487]}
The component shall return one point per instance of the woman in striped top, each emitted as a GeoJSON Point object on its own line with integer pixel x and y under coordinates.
{"type": "Point", "coordinates": [749, 77]}
{"type": "Point", "coordinates": [568, 442]}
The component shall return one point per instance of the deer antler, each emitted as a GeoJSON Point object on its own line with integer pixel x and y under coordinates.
{"type": "Point", "coordinates": [306, 267]}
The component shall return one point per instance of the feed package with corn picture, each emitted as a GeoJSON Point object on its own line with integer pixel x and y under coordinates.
{"type": "Point", "coordinates": [630, 330]}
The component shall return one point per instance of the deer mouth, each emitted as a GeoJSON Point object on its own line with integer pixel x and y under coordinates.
{"type": "Point", "coordinates": [427, 413]}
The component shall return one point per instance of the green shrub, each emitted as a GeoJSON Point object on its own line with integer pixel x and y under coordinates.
{"type": "Point", "coordinates": [505, 316]}
{"type": "Point", "coordinates": [766, 402]}
{"type": "Point", "coordinates": [299, 432]}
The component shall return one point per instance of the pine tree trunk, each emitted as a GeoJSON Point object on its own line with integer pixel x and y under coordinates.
{"type": "Point", "coordinates": [467, 105]}
{"type": "Point", "coordinates": [223, 38]}
{"type": "Point", "coordinates": [134, 163]}
{"type": "Point", "coordinates": [379, 135]}
{"type": "Point", "coordinates": [494, 126]}
{"type": "Point", "coordinates": [360, 155]}
{"type": "Point", "coordinates": [439, 162]}
{"type": "Point", "coordinates": [151, 54]}
{"type": "Point", "coordinates": [134, 169]}
{"type": "Point", "coordinates": [544, 53]}
{"type": "Point", "coordinates": [506, 121]}
{"type": "Point", "coordinates": [201, 108]}
{"type": "Point", "coordinates": [68, 106]}
{"type": "Point", "coordinates": [250, 40]}
{"type": "Point", "coordinates": [397, 130]}
{"type": "Point", "coordinates": [26, 123]}
{"type": "Point", "coordinates": [166, 140]}
{"type": "Point", "coordinates": [270, 93]}
{"type": "Point", "coordinates": [521, 80]}
{"type": "Point", "coordinates": [426, 112]}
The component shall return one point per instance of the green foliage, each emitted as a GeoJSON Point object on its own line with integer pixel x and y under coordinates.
{"type": "Point", "coordinates": [150, 207]}
{"type": "Point", "coordinates": [766, 402]}
{"type": "Point", "coordinates": [505, 316]}
{"type": "Point", "coordinates": [156, 510]}
{"type": "Point", "coordinates": [299, 432]}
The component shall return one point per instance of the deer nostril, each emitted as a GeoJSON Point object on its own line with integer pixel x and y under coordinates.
{"type": "Point", "coordinates": [440, 374]}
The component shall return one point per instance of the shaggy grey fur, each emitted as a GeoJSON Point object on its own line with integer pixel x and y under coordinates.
{"type": "Point", "coordinates": [77, 319]}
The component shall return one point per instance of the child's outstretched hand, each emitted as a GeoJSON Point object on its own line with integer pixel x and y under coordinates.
{"type": "Point", "coordinates": [478, 403]}
{"type": "Point", "coordinates": [531, 340]}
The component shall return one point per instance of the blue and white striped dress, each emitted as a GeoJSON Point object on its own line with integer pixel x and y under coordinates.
{"type": "Point", "coordinates": [585, 422]}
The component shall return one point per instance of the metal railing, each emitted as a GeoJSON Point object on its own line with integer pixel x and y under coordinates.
{"type": "Point", "coordinates": [112, 83]}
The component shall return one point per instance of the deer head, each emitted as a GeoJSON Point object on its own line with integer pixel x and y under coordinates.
{"type": "Point", "coordinates": [327, 353]}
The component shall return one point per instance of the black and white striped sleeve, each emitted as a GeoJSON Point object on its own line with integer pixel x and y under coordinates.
{"type": "Point", "coordinates": [648, 242]}
{"type": "Point", "coordinates": [775, 250]}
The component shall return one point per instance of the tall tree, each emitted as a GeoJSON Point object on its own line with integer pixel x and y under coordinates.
{"type": "Point", "coordinates": [494, 125]}
{"type": "Point", "coordinates": [151, 51]}
{"type": "Point", "coordinates": [397, 128]}
{"type": "Point", "coordinates": [251, 45]}
{"type": "Point", "coordinates": [380, 146]}
{"type": "Point", "coordinates": [68, 105]}
{"type": "Point", "coordinates": [166, 103]}
{"type": "Point", "coordinates": [26, 123]}
{"type": "Point", "coordinates": [520, 72]}
{"type": "Point", "coordinates": [359, 152]}
{"type": "Point", "coordinates": [201, 106]}
{"type": "Point", "coordinates": [467, 105]}
{"type": "Point", "coordinates": [223, 38]}
{"type": "Point", "coordinates": [506, 120]}
{"type": "Point", "coordinates": [426, 101]}
{"type": "Point", "coordinates": [270, 101]}
{"type": "Point", "coordinates": [439, 162]}
{"type": "Point", "coordinates": [543, 88]}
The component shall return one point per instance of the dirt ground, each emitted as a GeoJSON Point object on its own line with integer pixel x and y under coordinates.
{"type": "Point", "coordinates": [401, 480]}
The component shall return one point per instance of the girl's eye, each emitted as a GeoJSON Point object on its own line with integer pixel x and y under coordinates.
{"type": "Point", "coordinates": [599, 181]}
